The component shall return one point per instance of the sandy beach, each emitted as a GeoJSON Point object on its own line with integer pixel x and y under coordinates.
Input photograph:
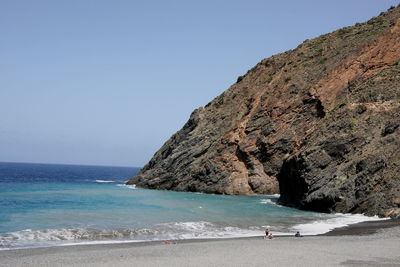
{"type": "Point", "coordinates": [365, 244]}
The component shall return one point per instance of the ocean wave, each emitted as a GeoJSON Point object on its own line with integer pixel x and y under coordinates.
{"type": "Point", "coordinates": [105, 181]}
{"type": "Point", "coordinates": [340, 220]}
{"type": "Point", "coordinates": [269, 201]}
{"type": "Point", "coordinates": [31, 238]}
{"type": "Point", "coordinates": [208, 230]}
{"type": "Point", "coordinates": [163, 231]}
{"type": "Point", "coordinates": [266, 201]}
{"type": "Point", "coordinates": [169, 231]}
{"type": "Point", "coordinates": [272, 200]}
{"type": "Point", "coordinates": [130, 186]}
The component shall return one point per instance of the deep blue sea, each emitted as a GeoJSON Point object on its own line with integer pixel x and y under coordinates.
{"type": "Point", "coordinates": [50, 205]}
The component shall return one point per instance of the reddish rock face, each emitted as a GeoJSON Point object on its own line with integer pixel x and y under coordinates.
{"type": "Point", "coordinates": [319, 124]}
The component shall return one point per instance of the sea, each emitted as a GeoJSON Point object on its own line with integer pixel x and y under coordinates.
{"type": "Point", "coordinates": [44, 205]}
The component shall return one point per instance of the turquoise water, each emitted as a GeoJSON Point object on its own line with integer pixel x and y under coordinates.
{"type": "Point", "coordinates": [47, 205]}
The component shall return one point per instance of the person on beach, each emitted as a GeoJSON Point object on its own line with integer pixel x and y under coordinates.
{"type": "Point", "coordinates": [298, 234]}
{"type": "Point", "coordinates": [270, 236]}
{"type": "Point", "coordinates": [266, 233]}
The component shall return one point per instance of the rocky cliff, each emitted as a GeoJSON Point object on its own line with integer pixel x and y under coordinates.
{"type": "Point", "coordinates": [318, 124]}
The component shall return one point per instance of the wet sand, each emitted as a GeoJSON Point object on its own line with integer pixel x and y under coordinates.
{"type": "Point", "coordinates": [364, 244]}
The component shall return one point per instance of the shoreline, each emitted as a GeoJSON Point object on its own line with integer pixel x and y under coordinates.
{"type": "Point", "coordinates": [368, 243]}
{"type": "Point", "coordinates": [361, 228]}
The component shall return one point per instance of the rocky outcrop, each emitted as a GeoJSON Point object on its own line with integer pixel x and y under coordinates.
{"type": "Point", "coordinates": [319, 124]}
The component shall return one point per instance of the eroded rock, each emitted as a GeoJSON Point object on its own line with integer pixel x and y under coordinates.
{"type": "Point", "coordinates": [319, 124]}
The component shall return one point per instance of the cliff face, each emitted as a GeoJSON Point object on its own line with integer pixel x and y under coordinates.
{"type": "Point", "coordinates": [319, 124]}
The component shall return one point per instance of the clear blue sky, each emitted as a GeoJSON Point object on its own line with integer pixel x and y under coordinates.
{"type": "Point", "coordinates": [108, 82]}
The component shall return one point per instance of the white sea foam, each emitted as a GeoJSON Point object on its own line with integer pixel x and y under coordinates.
{"type": "Point", "coordinates": [207, 230]}
{"type": "Point", "coordinates": [275, 195]}
{"type": "Point", "coordinates": [271, 201]}
{"type": "Point", "coordinates": [130, 186]}
{"type": "Point", "coordinates": [171, 231]}
{"type": "Point", "coordinates": [51, 237]}
{"type": "Point", "coordinates": [194, 230]}
{"type": "Point", "coordinates": [266, 201]}
{"type": "Point", "coordinates": [340, 220]}
{"type": "Point", "coordinates": [165, 231]}
{"type": "Point", "coordinates": [104, 181]}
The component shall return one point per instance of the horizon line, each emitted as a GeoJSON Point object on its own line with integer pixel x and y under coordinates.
{"type": "Point", "coordinates": [68, 164]}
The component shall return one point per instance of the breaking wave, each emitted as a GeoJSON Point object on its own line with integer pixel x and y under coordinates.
{"type": "Point", "coordinates": [51, 237]}
{"type": "Point", "coordinates": [270, 201]}
{"type": "Point", "coordinates": [104, 181]}
{"type": "Point", "coordinates": [327, 225]}
{"type": "Point", "coordinates": [130, 186]}
{"type": "Point", "coordinates": [166, 231]}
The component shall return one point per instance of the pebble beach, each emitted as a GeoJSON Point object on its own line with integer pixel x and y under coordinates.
{"type": "Point", "coordinates": [365, 244]}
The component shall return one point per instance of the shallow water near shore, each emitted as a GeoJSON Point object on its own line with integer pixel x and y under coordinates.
{"type": "Point", "coordinates": [51, 205]}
